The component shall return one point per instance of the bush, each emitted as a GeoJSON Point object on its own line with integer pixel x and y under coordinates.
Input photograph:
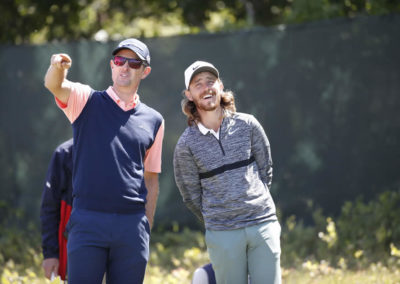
{"type": "Point", "coordinates": [176, 249]}
{"type": "Point", "coordinates": [363, 234]}
{"type": "Point", "coordinates": [369, 230]}
{"type": "Point", "coordinates": [20, 253]}
{"type": "Point", "coordinates": [19, 243]}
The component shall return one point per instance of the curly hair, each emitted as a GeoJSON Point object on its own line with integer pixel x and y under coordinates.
{"type": "Point", "coordinates": [190, 110]}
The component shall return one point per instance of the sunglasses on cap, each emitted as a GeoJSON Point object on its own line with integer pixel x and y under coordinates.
{"type": "Point", "coordinates": [132, 62]}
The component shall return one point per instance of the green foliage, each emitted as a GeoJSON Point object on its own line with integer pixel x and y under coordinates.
{"type": "Point", "coordinates": [19, 248]}
{"type": "Point", "coordinates": [12, 273]}
{"type": "Point", "coordinates": [362, 246]}
{"type": "Point", "coordinates": [174, 249]}
{"type": "Point", "coordinates": [322, 273]}
{"type": "Point", "coordinates": [370, 228]}
{"type": "Point", "coordinates": [174, 255]}
{"type": "Point", "coordinates": [38, 22]}
{"type": "Point", "coordinates": [303, 10]}
{"type": "Point", "coordinates": [297, 242]}
{"type": "Point", "coordinates": [362, 235]}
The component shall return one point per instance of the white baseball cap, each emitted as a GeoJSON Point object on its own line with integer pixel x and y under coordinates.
{"type": "Point", "coordinates": [197, 67]}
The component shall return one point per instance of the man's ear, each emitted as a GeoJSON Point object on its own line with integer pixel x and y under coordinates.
{"type": "Point", "coordinates": [221, 85]}
{"type": "Point", "coordinates": [188, 95]}
{"type": "Point", "coordinates": [146, 72]}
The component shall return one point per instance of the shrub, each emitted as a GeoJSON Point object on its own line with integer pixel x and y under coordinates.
{"type": "Point", "coordinates": [362, 235]}
{"type": "Point", "coordinates": [370, 229]}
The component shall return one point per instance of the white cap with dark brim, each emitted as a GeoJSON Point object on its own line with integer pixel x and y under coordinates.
{"type": "Point", "coordinates": [197, 67]}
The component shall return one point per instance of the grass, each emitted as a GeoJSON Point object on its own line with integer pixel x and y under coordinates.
{"type": "Point", "coordinates": [179, 270]}
{"type": "Point", "coordinates": [176, 254]}
{"type": "Point", "coordinates": [374, 275]}
{"type": "Point", "coordinates": [323, 274]}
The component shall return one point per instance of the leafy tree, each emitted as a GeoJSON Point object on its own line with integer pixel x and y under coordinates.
{"type": "Point", "coordinates": [29, 21]}
{"type": "Point", "coordinates": [22, 20]}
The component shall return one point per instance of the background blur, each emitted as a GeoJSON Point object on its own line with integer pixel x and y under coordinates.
{"type": "Point", "coordinates": [322, 77]}
{"type": "Point", "coordinates": [326, 92]}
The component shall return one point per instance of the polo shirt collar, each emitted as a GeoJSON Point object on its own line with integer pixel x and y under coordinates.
{"type": "Point", "coordinates": [204, 130]}
{"type": "Point", "coordinates": [131, 105]}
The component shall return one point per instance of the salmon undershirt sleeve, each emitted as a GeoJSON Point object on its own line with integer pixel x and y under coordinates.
{"type": "Point", "coordinates": [77, 100]}
{"type": "Point", "coordinates": [152, 160]}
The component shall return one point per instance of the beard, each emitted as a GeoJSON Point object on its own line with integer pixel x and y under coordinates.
{"type": "Point", "coordinates": [210, 104]}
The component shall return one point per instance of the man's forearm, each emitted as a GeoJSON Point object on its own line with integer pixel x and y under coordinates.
{"type": "Point", "coordinates": [55, 79]}
{"type": "Point", "coordinates": [152, 185]}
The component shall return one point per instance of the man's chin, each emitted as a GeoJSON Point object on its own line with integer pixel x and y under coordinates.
{"type": "Point", "coordinates": [208, 107]}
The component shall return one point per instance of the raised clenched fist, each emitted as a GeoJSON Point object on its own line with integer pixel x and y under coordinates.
{"type": "Point", "coordinates": [61, 61]}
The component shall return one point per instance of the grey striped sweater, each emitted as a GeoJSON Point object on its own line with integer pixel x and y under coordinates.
{"type": "Point", "coordinates": [226, 182]}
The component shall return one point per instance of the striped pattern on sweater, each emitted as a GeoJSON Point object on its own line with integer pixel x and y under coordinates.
{"type": "Point", "coordinates": [226, 182]}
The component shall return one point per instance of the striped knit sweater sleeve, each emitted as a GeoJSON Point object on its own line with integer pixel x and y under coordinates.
{"type": "Point", "coordinates": [187, 177]}
{"type": "Point", "coordinates": [261, 150]}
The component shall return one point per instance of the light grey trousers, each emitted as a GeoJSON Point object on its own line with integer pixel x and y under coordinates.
{"type": "Point", "coordinates": [253, 251]}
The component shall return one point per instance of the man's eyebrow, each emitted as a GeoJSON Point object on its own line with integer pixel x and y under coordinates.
{"type": "Point", "coordinates": [198, 79]}
{"type": "Point", "coordinates": [208, 77]}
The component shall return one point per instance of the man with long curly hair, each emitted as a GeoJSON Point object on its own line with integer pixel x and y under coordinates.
{"type": "Point", "coordinates": [223, 169]}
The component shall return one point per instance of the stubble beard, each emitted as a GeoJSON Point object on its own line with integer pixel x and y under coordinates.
{"type": "Point", "coordinates": [207, 105]}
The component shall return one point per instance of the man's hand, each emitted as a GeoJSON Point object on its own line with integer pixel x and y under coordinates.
{"type": "Point", "coordinates": [56, 77]}
{"type": "Point", "coordinates": [61, 61]}
{"type": "Point", "coordinates": [50, 265]}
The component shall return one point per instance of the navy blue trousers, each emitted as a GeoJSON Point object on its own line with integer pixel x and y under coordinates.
{"type": "Point", "coordinates": [115, 244]}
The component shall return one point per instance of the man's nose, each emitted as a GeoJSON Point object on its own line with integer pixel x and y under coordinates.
{"type": "Point", "coordinates": [208, 89]}
{"type": "Point", "coordinates": [126, 65]}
